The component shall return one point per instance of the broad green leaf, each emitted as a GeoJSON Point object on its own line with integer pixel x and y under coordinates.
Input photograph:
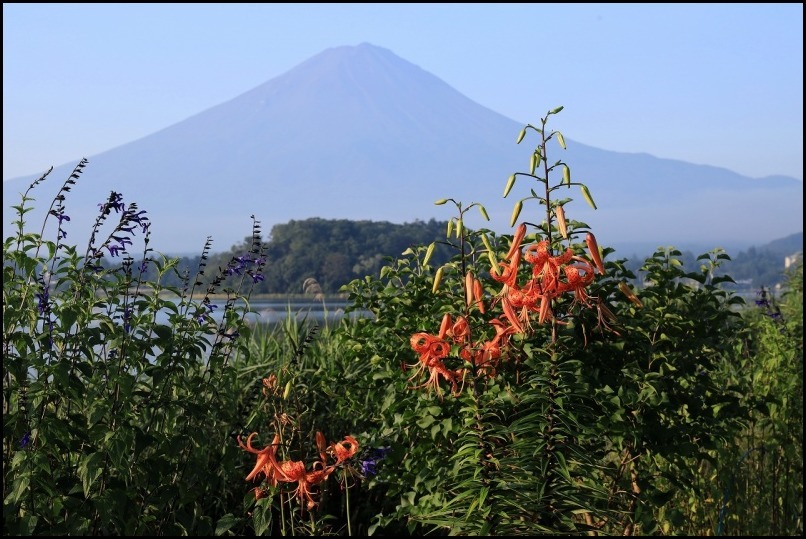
{"type": "Point", "coordinates": [19, 490]}
{"type": "Point", "coordinates": [89, 470]}
{"type": "Point", "coordinates": [225, 523]}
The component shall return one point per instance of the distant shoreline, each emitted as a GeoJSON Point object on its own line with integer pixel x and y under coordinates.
{"type": "Point", "coordinates": [296, 297]}
{"type": "Point", "coordinates": [288, 297]}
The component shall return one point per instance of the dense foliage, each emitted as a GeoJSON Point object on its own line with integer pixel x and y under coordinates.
{"type": "Point", "coordinates": [504, 384]}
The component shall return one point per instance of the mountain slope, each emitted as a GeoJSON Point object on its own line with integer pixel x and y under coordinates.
{"type": "Point", "coordinates": [359, 133]}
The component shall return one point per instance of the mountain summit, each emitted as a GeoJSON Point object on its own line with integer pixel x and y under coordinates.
{"type": "Point", "coordinates": [358, 133]}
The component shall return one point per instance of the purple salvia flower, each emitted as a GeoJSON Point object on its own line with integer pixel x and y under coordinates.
{"type": "Point", "coordinates": [43, 298]}
{"type": "Point", "coordinates": [369, 464]}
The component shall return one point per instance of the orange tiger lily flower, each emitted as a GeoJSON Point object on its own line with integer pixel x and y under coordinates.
{"type": "Point", "coordinates": [485, 360]}
{"type": "Point", "coordinates": [578, 277]}
{"type": "Point", "coordinates": [478, 294]}
{"type": "Point", "coordinates": [291, 471]}
{"type": "Point", "coordinates": [509, 273]}
{"type": "Point", "coordinates": [444, 327]}
{"type": "Point", "coordinates": [520, 233]}
{"type": "Point", "coordinates": [429, 347]}
{"type": "Point", "coordinates": [432, 350]}
{"type": "Point", "coordinates": [321, 445]}
{"type": "Point", "coordinates": [537, 254]}
{"type": "Point", "coordinates": [460, 331]}
{"type": "Point", "coordinates": [270, 384]}
{"type": "Point", "coordinates": [502, 332]}
{"type": "Point", "coordinates": [546, 268]}
{"type": "Point", "coordinates": [627, 291]}
{"type": "Point", "coordinates": [469, 289]}
{"type": "Point", "coordinates": [437, 369]}
{"type": "Point", "coordinates": [265, 457]}
{"type": "Point", "coordinates": [511, 316]}
{"type": "Point", "coordinates": [564, 258]}
{"type": "Point", "coordinates": [345, 449]}
{"type": "Point", "coordinates": [593, 248]}
{"type": "Point", "coordinates": [545, 310]}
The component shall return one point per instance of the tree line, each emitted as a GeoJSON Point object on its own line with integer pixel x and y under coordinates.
{"type": "Point", "coordinates": [336, 251]}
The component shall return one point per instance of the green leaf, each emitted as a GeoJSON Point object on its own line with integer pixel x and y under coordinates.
{"type": "Point", "coordinates": [89, 470]}
{"type": "Point", "coordinates": [225, 523]}
{"type": "Point", "coordinates": [483, 495]}
{"type": "Point", "coordinates": [21, 484]}
{"type": "Point", "coordinates": [425, 422]}
{"type": "Point", "coordinates": [261, 516]}
{"type": "Point", "coordinates": [98, 409]}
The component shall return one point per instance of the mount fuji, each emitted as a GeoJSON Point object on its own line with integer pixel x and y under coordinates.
{"type": "Point", "coordinates": [359, 133]}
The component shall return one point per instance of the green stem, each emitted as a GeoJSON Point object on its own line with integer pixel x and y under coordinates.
{"type": "Point", "coordinates": [347, 498]}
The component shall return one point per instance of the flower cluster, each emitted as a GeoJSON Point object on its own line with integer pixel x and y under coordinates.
{"type": "Point", "coordinates": [295, 471]}
{"type": "Point", "coordinates": [549, 278]}
{"type": "Point", "coordinates": [205, 310]}
{"type": "Point", "coordinates": [767, 303]}
{"type": "Point", "coordinates": [369, 463]}
{"type": "Point", "coordinates": [433, 350]}
{"type": "Point", "coordinates": [241, 264]}
{"type": "Point", "coordinates": [61, 216]}
{"type": "Point", "coordinates": [118, 241]}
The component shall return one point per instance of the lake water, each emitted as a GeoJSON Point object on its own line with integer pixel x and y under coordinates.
{"type": "Point", "coordinates": [273, 311]}
{"type": "Point", "coordinates": [278, 311]}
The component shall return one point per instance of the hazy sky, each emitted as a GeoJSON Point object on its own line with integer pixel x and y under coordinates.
{"type": "Point", "coordinates": [717, 84]}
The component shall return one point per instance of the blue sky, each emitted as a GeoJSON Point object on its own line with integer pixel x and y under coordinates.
{"type": "Point", "coordinates": [717, 84]}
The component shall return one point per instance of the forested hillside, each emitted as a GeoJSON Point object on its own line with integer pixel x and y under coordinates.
{"type": "Point", "coordinates": [762, 266]}
{"type": "Point", "coordinates": [334, 252]}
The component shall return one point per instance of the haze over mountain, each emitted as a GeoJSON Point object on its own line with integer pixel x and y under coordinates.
{"type": "Point", "coordinates": [358, 133]}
